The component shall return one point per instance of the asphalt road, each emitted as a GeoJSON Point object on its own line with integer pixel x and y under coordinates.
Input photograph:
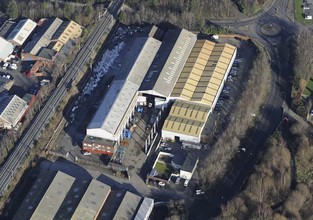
{"type": "Point", "coordinates": [13, 162]}
{"type": "Point", "coordinates": [241, 168]}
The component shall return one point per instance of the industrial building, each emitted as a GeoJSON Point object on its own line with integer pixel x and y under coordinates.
{"type": "Point", "coordinates": [6, 49]}
{"type": "Point", "coordinates": [21, 32]}
{"type": "Point", "coordinates": [117, 107]}
{"type": "Point", "coordinates": [12, 110]}
{"type": "Point", "coordinates": [57, 195]}
{"type": "Point", "coordinates": [67, 30]}
{"type": "Point", "coordinates": [167, 66]}
{"type": "Point", "coordinates": [181, 73]}
{"type": "Point", "coordinates": [197, 90]}
{"type": "Point", "coordinates": [43, 37]}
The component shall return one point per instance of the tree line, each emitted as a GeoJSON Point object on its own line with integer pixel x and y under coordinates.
{"type": "Point", "coordinates": [189, 14]}
{"type": "Point", "coordinates": [269, 193]}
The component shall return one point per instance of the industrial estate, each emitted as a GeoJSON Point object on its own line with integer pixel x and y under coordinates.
{"type": "Point", "coordinates": [113, 121]}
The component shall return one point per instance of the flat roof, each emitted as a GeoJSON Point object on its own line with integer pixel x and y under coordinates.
{"type": "Point", "coordinates": [34, 196]}
{"type": "Point", "coordinates": [92, 201]}
{"type": "Point", "coordinates": [128, 207]}
{"type": "Point", "coordinates": [204, 71]}
{"type": "Point", "coordinates": [54, 196]}
{"type": "Point", "coordinates": [186, 118]}
{"type": "Point", "coordinates": [22, 30]}
{"type": "Point", "coordinates": [122, 92]}
{"type": "Point", "coordinates": [47, 27]}
{"type": "Point", "coordinates": [190, 162]}
{"type": "Point", "coordinates": [165, 70]}
{"type": "Point", "coordinates": [6, 48]}
{"type": "Point", "coordinates": [12, 108]}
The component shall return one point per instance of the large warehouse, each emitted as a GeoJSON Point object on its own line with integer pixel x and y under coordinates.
{"type": "Point", "coordinates": [168, 64]}
{"type": "Point", "coordinates": [198, 87]}
{"type": "Point", "coordinates": [57, 195]}
{"type": "Point", "coordinates": [119, 103]}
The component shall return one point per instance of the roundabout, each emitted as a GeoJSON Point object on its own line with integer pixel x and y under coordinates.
{"type": "Point", "coordinates": [270, 29]}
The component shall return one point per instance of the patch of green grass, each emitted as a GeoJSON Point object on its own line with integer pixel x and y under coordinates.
{"type": "Point", "coordinates": [299, 16]}
{"type": "Point", "coordinates": [309, 88]}
{"type": "Point", "coordinates": [163, 169]}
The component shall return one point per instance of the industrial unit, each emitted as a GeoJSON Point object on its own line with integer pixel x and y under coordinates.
{"type": "Point", "coordinates": [12, 109]}
{"type": "Point", "coordinates": [117, 107]}
{"type": "Point", "coordinates": [6, 49]}
{"type": "Point", "coordinates": [57, 195]}
{"type": "Point", "coordinates": [21, 32]}
{"type": "Point", "coordinates": [182, 72]}
{"type": "Point", "coordinates": [197, 90]}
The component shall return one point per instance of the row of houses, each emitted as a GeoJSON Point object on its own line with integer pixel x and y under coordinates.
{"type": "Point", "coordinates": [180, 72]}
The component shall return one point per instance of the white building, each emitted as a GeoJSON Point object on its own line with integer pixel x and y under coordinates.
{"type": "Point", "coordinates": [189, 166]}
{"type": "Point", "coordinates": [6, 49]}
{"type": "Point", "coordinates": [168, 64]}
{"type": "Point", "coordinates": [12, 109]}
{"type": "Point", "coordinates": [21, 32]}
{"type": "Point", "coordinates": [118, 105]}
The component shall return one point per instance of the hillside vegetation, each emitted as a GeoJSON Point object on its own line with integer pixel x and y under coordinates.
{"type": "Point", "coordinates": [190, 14]}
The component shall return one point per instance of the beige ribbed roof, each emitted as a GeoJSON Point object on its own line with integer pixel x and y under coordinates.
{"type": "Point", "coordinates": [203, 72]}
{"type": "Point", "coordinates": [186, 118]}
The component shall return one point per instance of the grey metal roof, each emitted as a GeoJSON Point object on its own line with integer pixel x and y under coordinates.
{"type": "Point", "coordinates": [43, 37]}
{"type": "Point", "coordinates": [119, 98]}
{"type": "Point", "coordinates": [54, 196]}
{"type": "Point", "coordinates": [92, 201]}
{"type": "Point", "coordinates": [190, 162]}
{"type": "Point", "coordinates": [46, 53]}
{"type": "Point", "coordinates": [169, 62]}
{"type": "Point", "coordinates": [21, 32]}
{"type": "Point", "coordinates": [6, 48]}
{"type": "Point", "coordinates": [12, 108]}
{"type": "Point", "coordinates": [72, 199]}
{"type": "Point", "coordinates": [34, 196]}
{"type": "Point", "coordinates": [145, 209]}
{"type": "Point", "coordinates": [128, 207]}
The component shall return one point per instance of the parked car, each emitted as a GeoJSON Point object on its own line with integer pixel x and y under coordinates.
{"type": "Point", "coordinates": [13, 66]}
{"type": "Point", "coordinates": [186, 183]}
{"type": "Point", "coordinates": [177, 181]}
{"type": "Point", "coordinates": [86, 153]}
{"type": "Point", "coordinates": [199, 192]}
{"type": "Point", "coordinates": [161, 184]}
{"type": "Point", "coordinates": [5, 65]}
